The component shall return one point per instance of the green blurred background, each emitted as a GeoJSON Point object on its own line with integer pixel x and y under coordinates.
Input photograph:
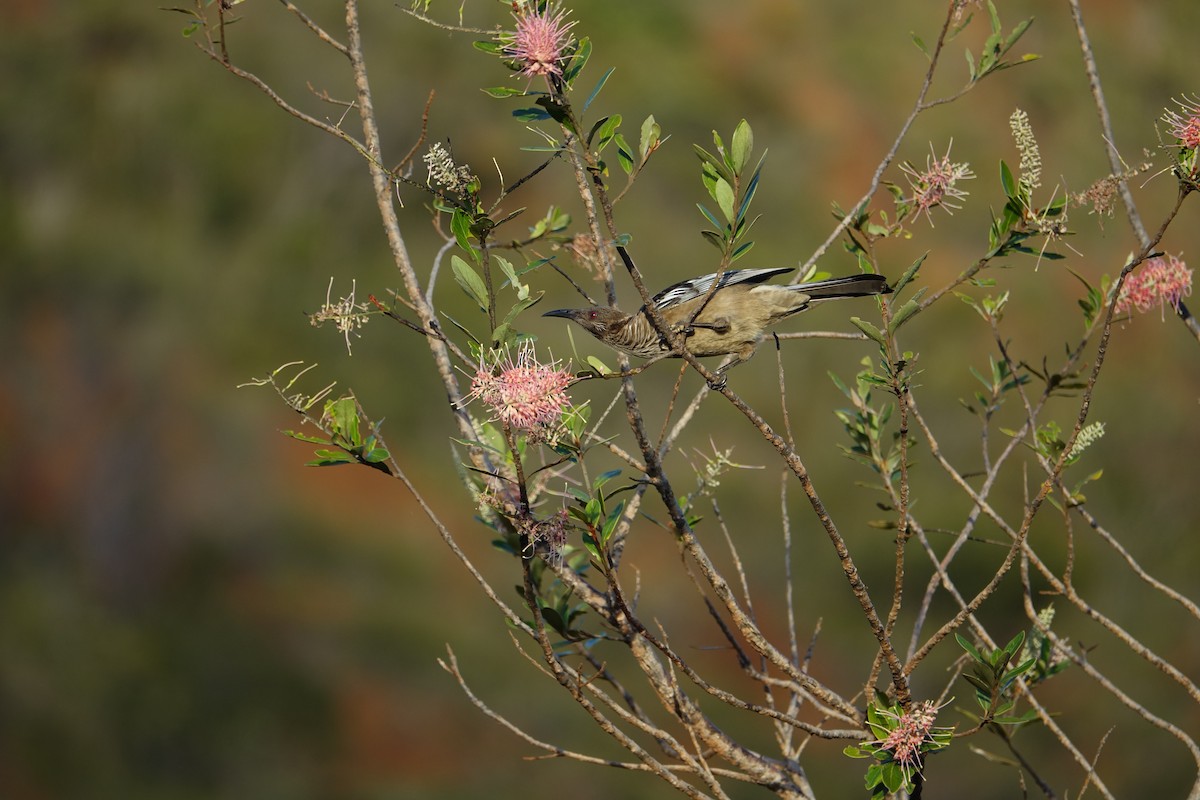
{"type": "Point", "coordinates": [188, 612]}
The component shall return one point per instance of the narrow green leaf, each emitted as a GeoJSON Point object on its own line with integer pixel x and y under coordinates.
{"type": "Point", "coordinates": [966, 644]}
{"type": "Point", "coordinates": [470, 281]}
{"type": "Point", "coordinates": [604, 478]}
{"type": "Point", "coordinates": [711, 217]}
{"type": "Point", "coordinates": [869, 329]}
{"type": "Point", "coordinates": [920, 43]}
{"type": "Point", "coordinates": [715, 239]}
{"type": "Point", "coordinates": [903, 314]}
{"type": "Point", "coordinates": [460, 226]}
{"type": "Point", "coordinates": [506, 267]}
{"type": "Point", "coordinates": [330, 458]}
{"type": "Point", "coordinates": [910, 273]}
{"type": "Point", "coordinates": [494, 48]}
{"type": "Point", "coordinates": [624, 154]}
{"type": "Point", "coordinates": [718, 165]}
{"type": "Point", "coordinates": [599, 86]}
{"type": "Point", "coordinates": [304, 437]}
{"type": "Point", "coordinates": [1007, 181]}
{"type": "Point", "coordinates": [503, 91]}
{"type": "Point", "coordinates": [530, 114]}
{"type": "Point", "coordinates": [578, 61]}
{"type": "Point", "coordinates": [598, 365]}
{"type": "Point", "coordinates": [511, 316]}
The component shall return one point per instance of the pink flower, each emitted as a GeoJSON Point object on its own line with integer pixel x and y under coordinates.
{"type": "Point", "coordinates": [1185, 123]}
{"type": "Point", "coordinates": [540, 39]}
{"type": "Point", "coordinates": [912, 731]}
{"type": "Point", "coordinates": [1163, 280]}
{"type": "Point", "coordinates": [937, 185]}
{"type": "Point", "coordinates": [521, 392]}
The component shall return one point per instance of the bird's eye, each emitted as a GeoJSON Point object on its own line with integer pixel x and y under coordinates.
{"type": "Point", "coordinates": [591, 314]}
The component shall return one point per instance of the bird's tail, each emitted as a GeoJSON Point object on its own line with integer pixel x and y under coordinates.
{"type": "Point", "coordinates": [852, 286]}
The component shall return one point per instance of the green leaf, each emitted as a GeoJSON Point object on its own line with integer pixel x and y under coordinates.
{"type": "Point", "coordinates": [713, 238]}
{"type": "Point", "coordinates": [304, 437]}
{"type": "Point", "coordinates": [1008, 182]}
{"type": "Point", "coordinates": [492, 48]}
{"type": "Point", "coordinates": [344, 419]}
{"type": "Point", "coordinates": [603, 131]}
{"type": "Point", "coordinates": [742, 145]}
{"type": "Point", "coordinates": [330, 458]}
{"type": "Point", "coordinates": [903, 314]}
{"type": "Point", "coordinates": [530, 114]}
{"type": "Point", "coordinates": [502, 329]}
{"type": "Point", "coordinates": [910, 273]}
{"type": "Point", "coordinates": [610, 523]}
{"type": "Point", "coordinates": [599, 86]}
{"type": "Point", "coordinates": [604, 478]}
{"type": "Point", "coordinates": [717, 165]}
{"type": "Point", "coordinates": [624, 154]}
{"type": "Point", "coordinates": [578, 61]}
{"type": "Point", "coordinates": [598, 365]}
{"type": "Point", "coordinates": [869, 329]}
{"type": "Point", "coordinates": [651, 133]}
{"type": "Point", "coordinates": [723, 194]}
{"type": "Point", "coordinates": [377, 455]}
{"type": "Point", "coordinates": [503, 91]}
{"type": "Point", "coordinates": [711, 217]}
{"type": "Point", "coordinates": [460, 226]}
{"type": "Point", "coordinates": [470, 281]}
{"type": "Point", "coordinates": [965, 644]}
{"type": "Point", "coordinates": [507, 268]}
{"type": "Point", "coordinates": [920, 43]}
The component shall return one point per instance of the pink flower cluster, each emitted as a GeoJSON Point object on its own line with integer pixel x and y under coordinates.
{"type": "Point", "coordinates": [521, 392]}
{"type": "Point", "coordinates": [540, 39]}
{"type": "Point", "coordinates": [1185, 123]}
{"type": "Point", "coordinates": [911, 732]}
{"type": "Point", "coordinates": [1163, 280]}
{"type": "Point", "coordinates": [938, 184]}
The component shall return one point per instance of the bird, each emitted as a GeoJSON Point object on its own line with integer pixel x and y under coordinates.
{"type": "Point", "coordinates": [729, 320]}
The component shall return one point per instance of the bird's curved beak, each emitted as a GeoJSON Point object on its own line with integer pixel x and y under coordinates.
{"type": "Point", "coordinates": [565, 313]}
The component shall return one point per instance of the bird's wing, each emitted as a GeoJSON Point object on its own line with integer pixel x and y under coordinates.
{"type": "Point", "coordinates": [697, 287]}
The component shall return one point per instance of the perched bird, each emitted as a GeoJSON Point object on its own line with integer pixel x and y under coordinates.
{"type": "Point", "coordinates": [730, 320]}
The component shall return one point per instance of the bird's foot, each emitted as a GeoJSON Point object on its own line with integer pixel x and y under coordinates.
{"type": "Point", "coordinates": [718, 382]}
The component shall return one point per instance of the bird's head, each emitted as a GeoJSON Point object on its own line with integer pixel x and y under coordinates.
{"type": "Point", "coordinates": [599, 321]}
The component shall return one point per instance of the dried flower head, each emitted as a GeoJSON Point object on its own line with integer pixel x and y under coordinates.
{"type": "Point", "coordinates": [523, 394]}
{"type": "Point", "coordinates": [541, 38]}
{"type": "Point", "coordinates": [1165, 280]}
{"type": "Point", "coordinates": [938, 184]}
{"type": "Point", "coordinates": [548, 535]}
{"type": "Point", "coordinates": [346, 314]}
{"type": "Point", "coordinates": [961, 6]}
{"type": "Point", "coordinates": [1027, 146]}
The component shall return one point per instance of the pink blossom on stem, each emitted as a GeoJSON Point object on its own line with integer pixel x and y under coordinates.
{"type": "Point", "coordinates": [540, 38]}
{"type": "Point", "coordinates": [522, 393]}
{"type": "Point", "coordinates": [1184, 124]}
{"type": "Point", "coordinates": [938, 184]}
{"type": "Point", "coordinates": [912, 731]}
{"type": "Point", "coordinates": [1164, 281]}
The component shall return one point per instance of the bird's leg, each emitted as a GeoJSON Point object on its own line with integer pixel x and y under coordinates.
{"type": "Point", "coordinates": [740, 356]}
{"type": "Point", "coordinates": [720, 325]}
